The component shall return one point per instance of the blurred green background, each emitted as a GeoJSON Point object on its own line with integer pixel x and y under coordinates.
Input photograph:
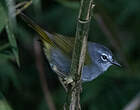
{"type": "Point", "coordinates": [115, 24]}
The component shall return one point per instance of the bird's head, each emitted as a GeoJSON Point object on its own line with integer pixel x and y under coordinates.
{"type": "Point", "coordinates": [102, 56]}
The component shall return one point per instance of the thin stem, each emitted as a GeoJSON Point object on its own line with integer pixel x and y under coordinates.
{"type": "Point", "coordinates": [40, 67]}
{"type": "Point", "coordinates": [134, 104]}
{"type": "Point", "coordinates": [23, 6]}
{"type": "Point", "coordinates": [79, 52]}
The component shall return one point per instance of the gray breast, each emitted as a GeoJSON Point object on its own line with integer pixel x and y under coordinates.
{"type": "Point", "coordinates": [60, 61]}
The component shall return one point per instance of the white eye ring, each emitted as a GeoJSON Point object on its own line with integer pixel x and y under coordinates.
{"type": "Point", "coordinates": [104, 57]}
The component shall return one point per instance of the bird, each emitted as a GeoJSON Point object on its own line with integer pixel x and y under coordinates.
{"type": "Point", "coordinates": [58, 50]}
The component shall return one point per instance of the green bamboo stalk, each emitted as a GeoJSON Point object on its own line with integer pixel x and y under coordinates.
{"type": "Point", "coordinates": [78, 57]}
{"type": "Point", "coordinates": [22, 6]}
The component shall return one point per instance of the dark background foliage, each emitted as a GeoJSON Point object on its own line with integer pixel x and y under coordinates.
{"type": "Point", "coordinates": [20, 86]}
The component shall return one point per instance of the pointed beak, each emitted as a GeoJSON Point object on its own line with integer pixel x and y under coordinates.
{"type": "Point", "coordinates": [116, 63]}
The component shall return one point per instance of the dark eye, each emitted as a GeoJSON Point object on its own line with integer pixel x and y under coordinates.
{"type": "Point", "coordinates": [104, 57]}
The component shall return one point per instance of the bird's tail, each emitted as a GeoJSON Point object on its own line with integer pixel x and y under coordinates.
{"type": "Point", "coordinates": [44, 35]}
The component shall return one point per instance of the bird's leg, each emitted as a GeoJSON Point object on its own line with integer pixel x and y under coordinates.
{"type": "Point", "coordinates": [77, 86]}
{"type": "Point", "coordinates": [63, 83]}
{"type": "Point", "coordinates": [64, 79]}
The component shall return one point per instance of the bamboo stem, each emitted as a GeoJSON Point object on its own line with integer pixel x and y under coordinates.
{"type": "Point", "coordinates": [78, 57]}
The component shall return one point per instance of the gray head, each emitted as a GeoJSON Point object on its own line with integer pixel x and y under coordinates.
{"type": "Point", "coordinates": [101, 56]}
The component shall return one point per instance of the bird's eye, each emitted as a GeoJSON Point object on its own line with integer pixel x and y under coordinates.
{"type": "Point", "coordinates": [104, 57]}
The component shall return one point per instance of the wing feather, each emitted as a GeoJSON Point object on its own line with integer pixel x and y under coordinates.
{"type": "Point", "coordinates": [66, 44]}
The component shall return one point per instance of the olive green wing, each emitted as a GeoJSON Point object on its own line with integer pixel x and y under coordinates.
{"type": "Point", "coordinates": [66, 44]}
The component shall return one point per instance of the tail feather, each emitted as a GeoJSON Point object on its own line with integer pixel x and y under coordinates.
{"type": "Point", "coordinates": [45, 36]}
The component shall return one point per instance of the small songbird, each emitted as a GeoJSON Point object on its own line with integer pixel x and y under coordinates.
{"type": "Point", "coordinates": [58, 50]}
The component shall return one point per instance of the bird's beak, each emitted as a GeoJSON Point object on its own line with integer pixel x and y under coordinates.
{"type": "Point", "coordinates": [116, 63]}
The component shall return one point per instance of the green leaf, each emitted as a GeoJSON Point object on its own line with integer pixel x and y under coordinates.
{"type": "Point", "coordinates": [13, 43]}
{"type": "Point", "coordinates": [8, 75]}
{"type": "Point", "coordinates": [3, 17]}
{"type": "Point", "coordinates": [11, 13]}
{"type": "Point", "coordinates": [5, 56]}
{"type": "Point", "coordinates": [4, 46]}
